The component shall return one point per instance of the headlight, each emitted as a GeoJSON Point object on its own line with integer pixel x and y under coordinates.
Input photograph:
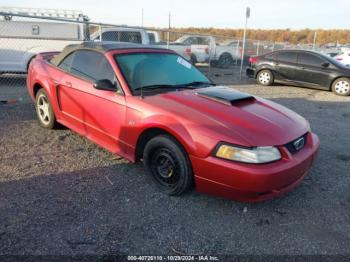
{"type": "Point", "coordinates": [256, 155]}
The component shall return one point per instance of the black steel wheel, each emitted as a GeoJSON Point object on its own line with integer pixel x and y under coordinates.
{"type": "Point", "coordinates": [167, 164]}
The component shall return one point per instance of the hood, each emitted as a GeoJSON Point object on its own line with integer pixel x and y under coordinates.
{"type": "Point", "coordinates": [232, 116]}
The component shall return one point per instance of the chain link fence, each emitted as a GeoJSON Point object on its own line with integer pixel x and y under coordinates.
{"type": "Point", "coordinates": [25, 34]}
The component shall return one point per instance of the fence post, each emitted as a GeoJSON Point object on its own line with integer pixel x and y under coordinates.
{"type": "Point", "coordinates": [237, 52]}
{"type": "Point", "coordinates": [257, 48]}
{"type": "Point", "coordinates": [100, 29]}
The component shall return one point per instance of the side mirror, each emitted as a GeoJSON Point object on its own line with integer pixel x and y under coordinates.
{"type": "Point", "coordinates": [105, 85]}
{"type": "Point", "coordinates": [325, 65]}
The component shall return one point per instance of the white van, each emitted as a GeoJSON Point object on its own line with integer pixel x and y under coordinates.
{"type": "Point", "coordinates": [22, 38]}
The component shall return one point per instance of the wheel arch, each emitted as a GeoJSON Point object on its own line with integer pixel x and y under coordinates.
{"type": "Point", "coordinates": [225, 53]}
{"type": "Point", "coordinates": [36, 85]}
{"type": "Point", "coordinates": [36, 88]}
{"type": "Point", "coordinates": [153, 131]}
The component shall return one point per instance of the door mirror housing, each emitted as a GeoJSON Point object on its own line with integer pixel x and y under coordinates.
{"type": "Point", "coordinates": [105, 84]}
{"type": "Point", "coordinates": [325, 65]}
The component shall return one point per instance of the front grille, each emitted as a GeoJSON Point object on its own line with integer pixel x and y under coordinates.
{"type": "Point", "coordinates": [292, 148]}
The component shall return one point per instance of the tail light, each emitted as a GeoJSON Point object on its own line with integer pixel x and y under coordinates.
{"type": "Point", "coordinates": [253, 60]}
{"type": "Point", "coordinates": [188, 51]}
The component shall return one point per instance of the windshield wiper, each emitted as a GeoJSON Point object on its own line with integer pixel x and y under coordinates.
{"type": "Point", "coordinates": [150, 87]}
{"type": "Point", "coordinates": [187, 85]}
{"type": "Point", "coordinates": [196, 84]}
{"type": "Point", "coordinates": [191, 85]}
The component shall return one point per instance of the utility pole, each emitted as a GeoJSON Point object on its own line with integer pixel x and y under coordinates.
{"type": "Point", "coordinates": [247, 16]}
{"type": "Point", "coordinates": [142, 18]}
{"type": "Point", "coordinates": [315, 37]}
{"type": "Point", "coordinates": [168, 37]}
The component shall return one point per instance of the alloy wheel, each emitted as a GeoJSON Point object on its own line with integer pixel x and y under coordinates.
{"type": "Point", "coordinates": [43, 108]}
{"type": "Point", "coordinates": [264, 78]}
{"type": "Point", "coordinates": [342, 87]}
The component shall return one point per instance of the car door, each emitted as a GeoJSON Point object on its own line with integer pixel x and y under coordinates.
{"type": "Point", "coordinates": [286, 64]}
{"type": "Point", "coordinates": [310, 70]}
{"type": "Point", "coordinates": [94, 113]}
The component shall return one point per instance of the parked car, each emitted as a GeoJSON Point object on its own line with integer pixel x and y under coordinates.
{"type": "Point", "coordinates": [344, 58]}
{"type": "Point", "coordinates": [122, 34]}
{"type": "Point", "coordinates": [20, 41]}
{"type": "Point", "coordinates": [302, 68]}
{"type": "Point", "coordinates": [206, 49]}
{"type": "Point", "coordinates": [139, 36]}
{"type": "Point", "coordinates": [150, 104]}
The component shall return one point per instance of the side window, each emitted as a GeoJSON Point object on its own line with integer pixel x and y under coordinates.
{"type": "Point", "coordinates": [67, 62]}
{"type": "Point", "coordinates": [203, 41]}
{"type": "Point", "coordinates": [92, 66]}
{"type": "Point", "coordinates": [191, 41]}
{"type": "Point", "coordinates": [287, 57]}
{"type": "Point", "coordinates": [309, 59]}
{"type": "Point", "coordinates": [110, 36]}
{"type": "Point", "coordinates": [105, 71]}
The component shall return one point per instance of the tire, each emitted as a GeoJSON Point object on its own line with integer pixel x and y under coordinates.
{"type": "Point", "coordinates": [44, 111]}
{"type": "Point", "coordinates": [168, 165]}
{"type": "Point", "coordinates": [225, 61]}
{"type": "Point", "coordinates": [341, 86]}
{"type": "Point", "coordinates": [265, 78]}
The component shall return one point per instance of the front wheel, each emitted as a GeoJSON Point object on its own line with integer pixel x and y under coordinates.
{"type": "Point", "coordinates": [341, 86]}
{"type": "Point", "coordinates": [44, 110]}
{"type": "Point", "coordinates": [167, 164]}
{"type": "Point", "coordinates": [265, 78]}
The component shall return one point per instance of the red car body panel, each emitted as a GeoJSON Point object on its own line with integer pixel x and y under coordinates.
{"type": "Point", "coordinates": [117, 121]}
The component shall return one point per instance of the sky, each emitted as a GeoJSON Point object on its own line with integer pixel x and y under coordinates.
{"type": "Point", "coordinates": [265, 14]}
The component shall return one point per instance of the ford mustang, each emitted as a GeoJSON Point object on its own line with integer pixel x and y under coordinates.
{"type": "Point", "coordinates": [151, 105]}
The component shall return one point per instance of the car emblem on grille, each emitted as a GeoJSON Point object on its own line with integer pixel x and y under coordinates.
{"type": "Point", "coordinates": [299, 144]}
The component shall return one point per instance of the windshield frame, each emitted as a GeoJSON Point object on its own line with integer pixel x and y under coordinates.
{"type": "Point", "coordinates": [138, 92]}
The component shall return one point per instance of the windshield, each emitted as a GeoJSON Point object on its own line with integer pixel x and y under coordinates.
{"type": "Point", "coordinates": [150, 70]}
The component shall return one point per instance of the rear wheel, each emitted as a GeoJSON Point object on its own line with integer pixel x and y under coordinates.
{"type": "Point", "coordinates": [341, 86]}
{"type": "Point", "coordinates": [225, 61]}
{"type": "Point", "coordinates": [168, 165]}
{"type": "Point", "coordinates": [44, 110]}
{"type": "Point", "coordinates": [265, 78]}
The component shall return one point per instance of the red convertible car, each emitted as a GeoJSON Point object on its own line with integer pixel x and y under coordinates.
{"type": "Point", "coordinates": [151, 105]}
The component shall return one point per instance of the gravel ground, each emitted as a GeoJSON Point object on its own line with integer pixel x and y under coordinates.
{"type": "Point", "coordinates": [60, 194]}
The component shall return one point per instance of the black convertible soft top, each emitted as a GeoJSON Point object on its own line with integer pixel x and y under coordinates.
{"type": "Point", "coordinates": [102, 47]}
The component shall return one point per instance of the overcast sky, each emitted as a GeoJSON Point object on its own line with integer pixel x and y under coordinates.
{"type": "Point", "coordinates": [267, 14]}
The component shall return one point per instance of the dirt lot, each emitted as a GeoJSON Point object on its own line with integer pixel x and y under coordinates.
{"type": "Point", "coordinates": [61, 194]}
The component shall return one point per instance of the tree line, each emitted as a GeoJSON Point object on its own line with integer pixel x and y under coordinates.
{"type": "Point", "coordinates": [304, 36]}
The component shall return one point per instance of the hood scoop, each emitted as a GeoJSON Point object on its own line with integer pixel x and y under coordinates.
{"type": "Point", "coordinates": [225, 95]}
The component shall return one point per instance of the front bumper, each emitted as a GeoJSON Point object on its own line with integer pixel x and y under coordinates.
{"type": "Point", "coordinates": [252, 182]}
